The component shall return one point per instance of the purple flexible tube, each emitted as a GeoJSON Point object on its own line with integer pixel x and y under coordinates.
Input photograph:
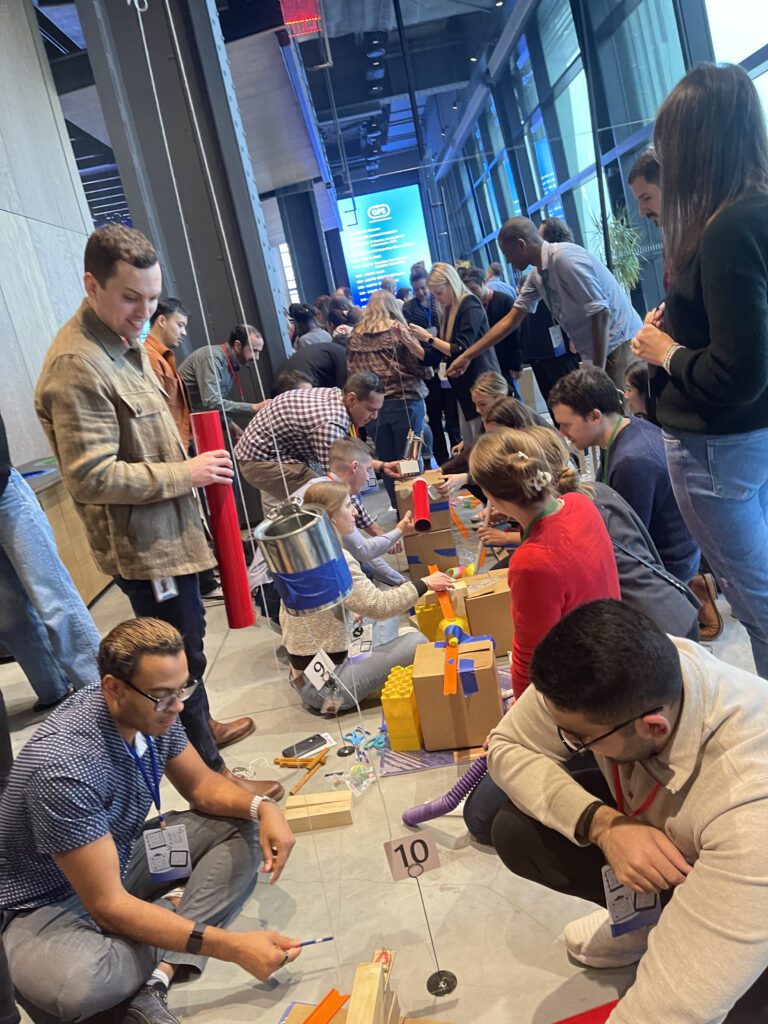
{"type": "Point", "coordinates": [451, 800]}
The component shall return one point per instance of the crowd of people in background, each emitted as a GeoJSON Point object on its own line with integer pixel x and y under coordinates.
{"type": "Point", "coordinates": [676, 405]}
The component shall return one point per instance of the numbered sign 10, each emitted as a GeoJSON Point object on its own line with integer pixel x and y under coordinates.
{"type": "Point", "coordinates": [412, 856]}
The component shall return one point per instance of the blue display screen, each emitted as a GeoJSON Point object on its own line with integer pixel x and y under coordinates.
{"type": "Point", "coordinates": [382, 235]}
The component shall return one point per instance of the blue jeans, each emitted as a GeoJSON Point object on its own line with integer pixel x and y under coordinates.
{"type": "Point", "coordinates": [721, 486]}
{"type": "Point", "coordinates": [390, 431]}
{"type": "Point", "coordinates": [187, 614]}
{"type": "Point", "coordinates": [43, 621]}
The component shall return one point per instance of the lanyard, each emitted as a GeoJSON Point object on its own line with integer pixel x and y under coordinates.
{"type": "Point", "coordinates": [620, 796]}
{"type": "Point", "coordinates": [611, 439]}
{"type": "Point", "coordinates": [235, 376]}
{"type": "Point", "coordinates": [152, 784]}
{"type": "Point", "coordinates": [552, 507]}
{"type": "Point", "coordinates": [545, 282]}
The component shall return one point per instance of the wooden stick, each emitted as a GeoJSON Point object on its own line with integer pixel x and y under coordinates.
{"type": "Point", "coordinates": [305, 779]}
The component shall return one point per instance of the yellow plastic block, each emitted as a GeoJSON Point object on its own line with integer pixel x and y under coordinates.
{"type": "Point", "coordinates": [428, 617]}
{"type": "Point", "coordinates": [398, 702]}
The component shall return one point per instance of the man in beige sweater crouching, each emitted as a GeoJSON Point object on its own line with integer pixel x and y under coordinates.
{"type": "Point", "coordinates": [678, 805]}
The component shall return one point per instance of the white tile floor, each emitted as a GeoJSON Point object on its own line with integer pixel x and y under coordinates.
{"type": "Point", "coordinates": [499, 934]}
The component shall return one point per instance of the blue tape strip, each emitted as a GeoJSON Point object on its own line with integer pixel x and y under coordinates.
{"type": "Point", "coordinates": [447, 552]}
{"type": "Point", "coordinates": [414, 560]}
{"type": "Point", "coordinates": [467, 676]}
{"type": "Point", "coordinates": [313, 588]}
{"type": "Point", "coordinates": [439, 506]}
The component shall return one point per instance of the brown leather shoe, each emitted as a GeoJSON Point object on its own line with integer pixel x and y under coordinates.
{"type": "Point", "coordinates": [256, 787]}
{"type": "Point", "coordinates": [710, 620]}
{"type": "Point", "coordinates": [226, 733]}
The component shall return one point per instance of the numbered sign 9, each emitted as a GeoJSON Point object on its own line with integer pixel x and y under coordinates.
{"type": "Point", "coordinates": [319, 670]}
{"type": "Point", "coordinates": [412, 856]}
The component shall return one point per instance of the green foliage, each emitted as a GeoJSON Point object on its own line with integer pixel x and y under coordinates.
{"type": "Point", "coordinates": [625, 248]}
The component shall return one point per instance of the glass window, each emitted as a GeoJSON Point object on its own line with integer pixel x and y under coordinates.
{"type": "Point", "coordinates": [540, 155]}
{"type": "Point", "coordinates": [557, 31]}
{"type": "Point", "coordinates": [737, 29]}
{"type": "Point", "coordinates": [523, 83]}
{"type": "Point", "coordinates": [493, 130]}
{"type": "Point", "coordinates": [554, 209]}
{"type": "Point", "coordinates": [586, 199]}
{"type": "Point", "coordinates": [489, 211]}
{"type": "Point", "coordinates": [761, 84]}
{"type": "Point", "coordinates": [641, 63]}
{"type": "Point", "coordinates": [573, 117]}
{"type": "Point", "coordinates": [473, 161]}
{"type": "Point", "coordinates": [506, 193]}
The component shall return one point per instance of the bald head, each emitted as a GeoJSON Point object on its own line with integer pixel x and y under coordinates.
{"type": "Point", "coordinates": [520, 242]}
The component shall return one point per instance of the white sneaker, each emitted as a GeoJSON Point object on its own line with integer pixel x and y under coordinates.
{"type": "Point", "coordinates": [589, 941]}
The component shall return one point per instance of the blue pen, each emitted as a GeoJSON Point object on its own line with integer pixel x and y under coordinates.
{"type": "Point", "coordinates": [315, 942]}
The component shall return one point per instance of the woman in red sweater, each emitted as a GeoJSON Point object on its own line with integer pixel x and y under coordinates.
{"type": "Point", "coordinates": [566, 557]}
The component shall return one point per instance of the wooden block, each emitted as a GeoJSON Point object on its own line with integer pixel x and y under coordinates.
{"type": "Point", "coordinates": [318, 811]}
{"type": "Point", "coordinates": [366, 1004]}
{"type": "Point", "coordinates": [391, 1008]}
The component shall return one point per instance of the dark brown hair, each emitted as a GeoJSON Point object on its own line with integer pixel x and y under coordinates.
{"type": "Point", "coordinates": [112, 243]}
{"type": "Point", "coordinates": [711, 141]}
{"type": "Point", "coordinates": [508, 412]}
{"type": "Point", "coordinates": [586, 389]}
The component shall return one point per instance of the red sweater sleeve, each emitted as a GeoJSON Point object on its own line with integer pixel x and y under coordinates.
{"type": "Point", "coordinates": [537, 604]}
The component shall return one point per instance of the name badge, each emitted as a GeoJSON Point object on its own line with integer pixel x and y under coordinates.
{"type": "Point", "coordinates": [361, 643]}
{"type": "Point", "coordinates": [442, 371]}
{"type": "Point", "coordinates": [167, 850]}
{"type": "Point", "coordinates": [164, 588]}
{"type": "Point", "coordinates": [628, 910]}
{"type": "Point", "coordinates": [558, 341]}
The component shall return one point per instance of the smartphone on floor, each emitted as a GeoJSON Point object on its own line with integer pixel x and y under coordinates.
{"type": "Point", "coordinates": [305, 747]}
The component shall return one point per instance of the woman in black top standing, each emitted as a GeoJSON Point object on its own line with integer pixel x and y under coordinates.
{"type": "Point", "coordinates": [462, 323]}
{"type": "Point", "coordinates": [711, 337]}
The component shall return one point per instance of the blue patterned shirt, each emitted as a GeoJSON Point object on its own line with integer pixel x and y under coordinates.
{"type": "Point", "coordinates": [72, 783]}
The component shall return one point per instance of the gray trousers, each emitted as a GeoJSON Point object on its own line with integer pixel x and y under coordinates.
{"type": "Point", "coordinates": [618, 363]}
{"type": "Point", "coordinates": [367, 676]}
{"type": "Point", "coordinates": [64, 968]}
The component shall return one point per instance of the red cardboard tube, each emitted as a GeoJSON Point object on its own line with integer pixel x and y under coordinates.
{"type": "Point", "coordinates": [422, 516]}
{"type": "Point", "coordinates": [209, 437]}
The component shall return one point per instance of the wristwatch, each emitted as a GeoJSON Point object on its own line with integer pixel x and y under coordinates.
{"type": "Point", "coordinates": [256, 802]}
{"type": "Point", "coordinates": [195, 942]}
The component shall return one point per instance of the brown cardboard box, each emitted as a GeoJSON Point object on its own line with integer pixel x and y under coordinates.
{"type": "Point", "coordinates": [488, 608]}
{"type": "Point", "coordinates": [456, 721]}
{"type": "Point", "coordinates": [440, 509]}
{"type": "Point", "coordinates": [436, 547]}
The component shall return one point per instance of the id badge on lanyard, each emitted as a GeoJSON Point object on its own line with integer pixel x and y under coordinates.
{"type": "Point", "coordinates": [167, 847]}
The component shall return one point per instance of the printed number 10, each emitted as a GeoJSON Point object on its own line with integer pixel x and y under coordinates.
{"type": "Point", "coordinates": [419, 852]}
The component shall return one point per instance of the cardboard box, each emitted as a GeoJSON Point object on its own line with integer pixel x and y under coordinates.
{"type": "Point", "coordinates": [482, 600]}
{"type": "Point", "coordinates": [440, 509]}
{"type": "Point", "coordinates": [488, 608]}
{"type": "Point", "coordinates": [436, 547]}
{"type": "Point", "coordinates": [448, 723]}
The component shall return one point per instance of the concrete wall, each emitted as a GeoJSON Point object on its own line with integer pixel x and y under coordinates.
{"type": "Point", "coordinates": [44, 223]}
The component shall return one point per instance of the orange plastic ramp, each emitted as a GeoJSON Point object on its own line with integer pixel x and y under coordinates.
{"type": "Point", "coordinates": [443, 598]}
{"type": "Point", "coordinates": [325, 1011]}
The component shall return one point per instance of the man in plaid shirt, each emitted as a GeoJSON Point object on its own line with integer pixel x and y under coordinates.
{"type": "Point", "coordinates": [300, 426]}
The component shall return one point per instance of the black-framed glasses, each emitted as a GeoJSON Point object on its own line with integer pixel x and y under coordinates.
{"type": "Point", "coordinates": [582, 748]}
{"type": "Point", "coordinates": [164, 703]}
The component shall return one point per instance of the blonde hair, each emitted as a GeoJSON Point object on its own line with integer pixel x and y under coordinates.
{"type": "Point", "coordinates": [490, 385]}
{"type": "Point", "coordinates": [328, 494]}
{"type": "Point", "coordinates": [505, 471]}
{"type": "Point", "coordinates": [378, 315]}
{"type": "Point", "coordinates": [443, 274]}
{"type": "Point", "coordinates": [547, 446]}
{"type": "Point", "coordinates": [122, 649]}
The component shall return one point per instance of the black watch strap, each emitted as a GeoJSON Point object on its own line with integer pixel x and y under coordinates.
{"type": "Point", "coordinates": [195, 943]}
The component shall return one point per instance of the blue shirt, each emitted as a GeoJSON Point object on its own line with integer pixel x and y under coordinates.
{"type": "Point", "coordinates": [72, 783]}
{"type": "Point", "coordinates": [637, 470]}
{"type": "Point", "coordinates": [495, 284]}
{"type": "Point", "coordinates": [581, 287]}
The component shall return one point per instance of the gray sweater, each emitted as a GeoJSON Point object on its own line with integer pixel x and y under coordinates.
{"type": "Point", "coordinates": [712, 940]}
{"type": "Point", "coordinates": [641, 588]}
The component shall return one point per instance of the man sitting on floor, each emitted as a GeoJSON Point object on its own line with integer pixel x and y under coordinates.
{"type": "Point", "coordinates": [82, 874]}
{"type": "Point", "coordinates": [679, 805]}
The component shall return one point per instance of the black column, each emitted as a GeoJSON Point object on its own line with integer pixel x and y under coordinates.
{"type": "Point", "coordinates": [306, 241]}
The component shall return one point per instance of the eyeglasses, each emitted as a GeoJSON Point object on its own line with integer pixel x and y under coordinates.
{"type": "Point", "coordinates": [582, 748]}
{"type": "Point", "coordinates": [164, 703]}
